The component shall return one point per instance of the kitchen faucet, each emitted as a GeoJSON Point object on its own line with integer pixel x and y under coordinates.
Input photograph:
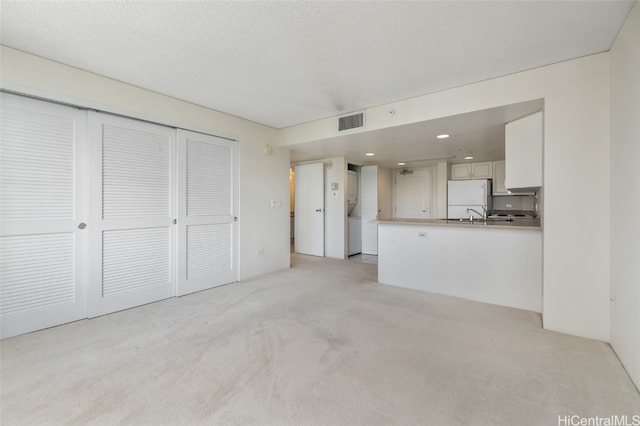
{"type": "Point", "coordinates": [483, 214]}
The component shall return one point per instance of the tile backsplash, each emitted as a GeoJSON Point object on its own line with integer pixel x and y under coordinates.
{"type": "Point", "coordinates": [524, 203]}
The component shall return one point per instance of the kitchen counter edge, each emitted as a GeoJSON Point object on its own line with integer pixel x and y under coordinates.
{"type": "Point", "coordinates": [498, 224]}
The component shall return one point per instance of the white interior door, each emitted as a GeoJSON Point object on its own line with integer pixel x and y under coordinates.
{"type": "Point", "coordinates": [208, 205]}
{"type": "Point", "coordinates": [132, 210]}
{"type": "Point", "coordinates": [309, 209]}
{"type": "Point", "coordinates": [42, 248]}
{"type": "Point", "coordinates": [413, 194]}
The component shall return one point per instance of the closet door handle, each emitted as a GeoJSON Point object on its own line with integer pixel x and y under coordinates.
{"type": "Point", "coordinates": [82, 225]}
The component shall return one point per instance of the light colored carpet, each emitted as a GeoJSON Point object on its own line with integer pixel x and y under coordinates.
{"type": "Point", "coordinates": [322, 344]}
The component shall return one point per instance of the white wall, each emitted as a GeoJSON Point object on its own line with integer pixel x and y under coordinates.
{"type": "Point", "coordinates": [625, 194]}
{"type": "Point", "coordinates": [440, 212]}
{"type": "Point", "coordinates": [385, 193]}
{"type": "Point", "coordinates": [262, 178]}
{"type": "Point", "coordinates": [576, 153]}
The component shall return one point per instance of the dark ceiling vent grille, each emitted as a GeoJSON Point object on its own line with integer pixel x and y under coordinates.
{"type": "Point", "coordinates": [351, 121]}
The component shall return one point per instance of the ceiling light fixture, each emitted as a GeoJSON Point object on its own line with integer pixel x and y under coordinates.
{"type": "Point", "coordinates": [443, 136]}
{"type": "Point", "coordinates": [468, 157]}
{"type": "Point", "coordinates": [370, 154]}
{"type": "Point", "coordinates": [402, 164]}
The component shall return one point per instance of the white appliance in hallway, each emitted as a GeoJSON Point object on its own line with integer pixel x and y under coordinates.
{"type": "Point", "coordinates": [354, 224]}
{"type": "Point", "coordinates": [468, 194]}
{"type": "Point", "coordinates": [355, 235]}
{"type": "Point", "coordinates": [352, 190]}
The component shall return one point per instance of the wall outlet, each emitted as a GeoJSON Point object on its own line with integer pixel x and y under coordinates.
{"type": "Point", "coordinates": [276, 203]}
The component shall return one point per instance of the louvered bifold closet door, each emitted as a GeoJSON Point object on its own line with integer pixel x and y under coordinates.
{"type": "Point", "coordinates": [207, 222]}
{"type": "Point", "coordinates": [132, 211]}
{"type": "Point", "coordinates": [42, 204]}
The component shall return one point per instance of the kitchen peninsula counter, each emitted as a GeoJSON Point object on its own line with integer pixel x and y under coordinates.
{"type": "Point", "coordinates": [496, 262]}
{"type": "Point", "coordinates": [490, 223]}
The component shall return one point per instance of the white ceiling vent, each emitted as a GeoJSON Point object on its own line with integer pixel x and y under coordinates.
{"type": "Point", "coordinates": [349, 122]}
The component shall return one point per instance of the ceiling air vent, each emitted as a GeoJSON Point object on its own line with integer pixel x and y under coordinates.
{"type": "Point", "coordinates": [353, 121]}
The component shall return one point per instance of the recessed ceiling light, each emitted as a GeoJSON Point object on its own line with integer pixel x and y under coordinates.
{"type": "Point", "coordinates": [402, 164]}
{"type": "Point", "coordinates": [468, 157]}
{"type": "Point", "coordinates": [370, 154]}
{"type": "Point", "coordinates": [443, 136]}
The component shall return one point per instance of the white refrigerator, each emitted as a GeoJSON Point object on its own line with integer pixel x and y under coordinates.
{"type": "Point", "coordinates": [468, 194]}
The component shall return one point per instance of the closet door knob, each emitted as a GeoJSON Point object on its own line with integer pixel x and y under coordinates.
{"type": "Point", "coordinates": [82, 225]}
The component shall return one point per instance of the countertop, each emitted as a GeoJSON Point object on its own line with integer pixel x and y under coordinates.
{"type": "Point", "coordinates": [491, 223]}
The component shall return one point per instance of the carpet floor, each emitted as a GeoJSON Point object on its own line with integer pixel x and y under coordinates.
{"type": "Point", "coordinates": [321, 344]}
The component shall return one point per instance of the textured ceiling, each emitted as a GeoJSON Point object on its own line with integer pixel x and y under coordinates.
{"type": "Point", "coordinates": [285, 63]}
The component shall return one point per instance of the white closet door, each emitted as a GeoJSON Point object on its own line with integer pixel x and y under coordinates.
{"type": "Point", "coordinates": [208, 202]}
{"type": "Point", "coordinates": [309, 209]}
{"type": "Point", "coordinates": [132, 210]}
{"type": "Point", "coordinates": [42, 249]}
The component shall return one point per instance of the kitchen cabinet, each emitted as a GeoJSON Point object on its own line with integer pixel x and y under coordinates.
{"type": "Point", "coordinates": [499, 187]}
{"type": "Point", "coordinates": [498, 179]}
{"type": "Point", "coordinates": [523, 152]}
{"type": "Point", "coordinates": [483, 170]}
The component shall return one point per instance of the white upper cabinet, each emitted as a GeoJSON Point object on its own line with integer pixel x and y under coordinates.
{"type": "Point", "coordinates": [464, 171]}
{"type": "Point", "coordinates": [523, 152]}
{"type": "Point", "coordinates": [482, 170]}
{"type": "Point", "coordinates": [460, 171]}
{"type": "Point", "coordinates": [499, 187]}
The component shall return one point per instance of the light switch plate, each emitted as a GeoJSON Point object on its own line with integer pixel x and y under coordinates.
{"type": "Point", "coordinates": [334, 186]}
